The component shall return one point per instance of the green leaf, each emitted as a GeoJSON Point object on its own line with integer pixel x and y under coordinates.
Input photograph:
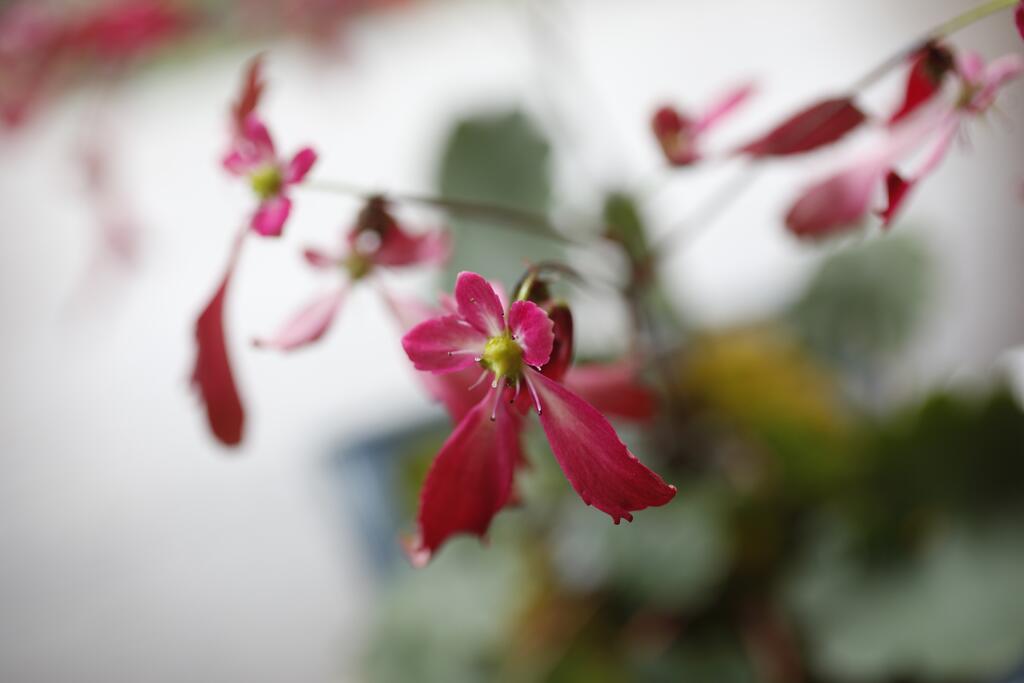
{"type": "Point", "coordinates": [500, 159]}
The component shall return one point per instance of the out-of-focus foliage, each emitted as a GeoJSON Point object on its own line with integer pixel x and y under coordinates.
{"type": "Point", "coordinates": [864, 301]}
{"type": "Point", "coordinates": [470, 170]}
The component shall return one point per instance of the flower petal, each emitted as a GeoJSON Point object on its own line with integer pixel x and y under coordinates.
{"type": "Point", "coordinates": [562, 347]}
{"type": "Point", "coordinates": [271, 215]}
{"type": "Point", "coordinates": [818, 125]}
{"type": "Point", "coordinates": [897, 188]}
{"type": "Point", "coordinates": [613, 389]}
{"type": "Point", "coordinates": [306, 326]}
{"type": "Point", "coordinates": [255, 132]}
{"type": "Point", "coordinates": [321, 259]}
{"type": "Point", "coordinates": [675, 133]}
{"type": "Point", "coordinates": [835, 204]}
{"type": "Point", "coordinates": [597, 464]}
{"type": "Point", "coordinates": [1018, 16]}
{"type": "Point", "coordinates": [237, 163]}
{"type": "Point", "coordinates": [443, 344]}
{"type": "Point", "coordinates": [253, 86]}
{"type": "Point", "coordinates": [399, 248]}
{"type": "Point", "coordinates": [533, 330]}
{"type": "Point", "coordinates": [299, 166]}
{"type": "Point", "coordinates": [211, 374]}
{"type": "Point", "coordinates": [928, 68]}
{"type": "Point", "coordinates": [478, 304]}
{"type": "Point", "coordinates": [470, 480]}
{"type": "Point", "coordinates": [722, 107]}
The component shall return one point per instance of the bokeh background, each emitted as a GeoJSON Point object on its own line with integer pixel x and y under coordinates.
{"type": "Point", "coordinates": [134, 548]}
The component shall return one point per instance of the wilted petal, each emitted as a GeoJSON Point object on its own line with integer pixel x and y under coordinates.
{"type": "Point", "coordinates": [299, 166]}
{"type": "Point", "coordinates": [533, 331]}
{"type": "Point", "coordinates": [211, 374]}
{"type": "Point", "coordinates": [818, 125]}
{"type": "Point", "coordinates": [470, 480]}
{"type": "Point", "coordinates": [306, 326]}
{"type": "Point", "coordinates": [271, 215]}
{"type": "Point", "coordinates": [597, 464]}
{"type": "Point", "coordinates": [444, 344]}
{"type": "Point", "coordinates": [562, 345]}
{"type": "Point", "coordinates": [613, 389]}
{"type": "Point", "coordinates": [479, 304]}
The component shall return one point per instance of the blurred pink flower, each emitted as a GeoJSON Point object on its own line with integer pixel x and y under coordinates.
{"type": "Point", "coordinates": [253, 156]}
{"type": "Point", "coordinates": [375, 241]}
{"type": "Point", "coordinates": [842, 200]}
{"type": "Point", "coordinates": [679, 135]}
{"type": "Point", "coordinates": [471, 478]}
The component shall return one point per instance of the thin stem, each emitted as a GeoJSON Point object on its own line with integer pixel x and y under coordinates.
{"type": "Point", "coordinates": [708, 213]}
{"type": "Point", "coordinates": [505, 216]}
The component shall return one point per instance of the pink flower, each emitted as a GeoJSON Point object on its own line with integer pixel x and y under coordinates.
{"type": "Point", "coordinates": [375, 241]}
{"type": "Point", "coordinates": [471, 478]}
{"type": "Point", "coordinates": [254, 157]}
{"type": "Point", "coordinates": [844, 199]}
{"type": "Point", "coordinates": [679, 135]}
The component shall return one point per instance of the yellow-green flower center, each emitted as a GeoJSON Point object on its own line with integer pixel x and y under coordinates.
{"type": "Point", "coordinates": [357, 265]}
{"type": "Point", "coordinates": [266, 182]}
{"type": "Point", "coordinates": [503, 356]}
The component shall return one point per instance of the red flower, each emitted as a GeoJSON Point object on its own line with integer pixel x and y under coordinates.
{"type": "Point", "coordinates": [471, 478]}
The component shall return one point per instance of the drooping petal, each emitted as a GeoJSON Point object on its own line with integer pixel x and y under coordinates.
{"type": "Point", "coordinates": [306, 326]}
{"type": "Point", "coordinates": [299, 166]}
{"type": "Point", "coordinates": [928, 68]}
{"type": "Point", "coordinates": [722, 107]}
{"type": "Point", "coordinates": [897, 188]}
{"type": "Point", "coordinates": [271, 215]}
{"type": "Point", "coordinates": [533, 331]}
{"type": "Point", "coordinates": [443, 344]}
{"type": "Point", "coordinates": [479, 304]}
{"type": "Point", "coordinates": [469, 481]}
{"type": "Point", "coordinates": [613, 389]}
{"type": "Point", "coordinates": [211, 374]}
{"type": "Point", "coordinates": [597, 464]}
{"type": "Point", "coordinates": [818, 125]}
{"type": "Point", "coordinates": [840, 202]}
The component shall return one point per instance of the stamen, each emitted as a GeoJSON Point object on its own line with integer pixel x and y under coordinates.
{"type": "Point", "coordinates": [494, 405]}
{"type": "Point", "coordinates": [461, 352]}
{"type": "Point", "coordinates": [533, 392]}
{"type": "Point", "coordinates": [480, 379]}
{"type": "Point", "coordinates": [518, 387]}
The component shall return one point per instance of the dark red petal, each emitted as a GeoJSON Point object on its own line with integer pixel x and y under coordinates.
{"type": "Point", "coordinates": [562, 348]}
{"type": "Point", "coordinates": [212, 375]}
{"type": "Point", "coordinates": [470, 480]}
{"type": "Point", "coordinates": [614, 389]}
{"type": "Point", "coordinates": [597, 464]}
{"type": "Point", "coordinates": [928, 68]}
{"type": "Point", "coordinates": [816, 126]}
{"type": "Point", "coordinates": [253, 86]}
{"type": "Point", "coordinates": [896, 189]}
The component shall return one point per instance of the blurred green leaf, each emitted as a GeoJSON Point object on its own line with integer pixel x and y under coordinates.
{"type": "Point", "coordinates": [955, 612]}
{"type": "Point", "coordinates": [501, 159]}
{"type": "Point", "coordinates": [864, 301]}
